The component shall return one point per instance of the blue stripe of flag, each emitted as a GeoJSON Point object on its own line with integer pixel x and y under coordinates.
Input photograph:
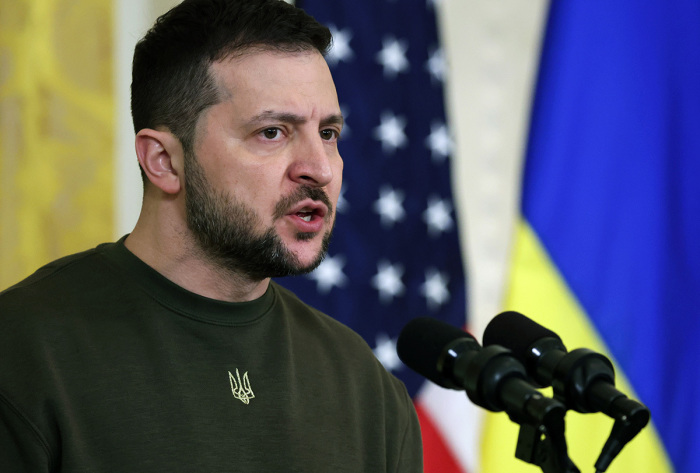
{"type": "Point", "coordinates": [613, 191]}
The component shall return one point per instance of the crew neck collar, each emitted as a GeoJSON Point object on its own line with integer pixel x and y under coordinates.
{"type": "Point", "coordinates": [179, 299]}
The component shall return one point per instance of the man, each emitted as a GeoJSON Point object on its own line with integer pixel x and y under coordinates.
{"type": "Point", "coordinates": [171, 350]}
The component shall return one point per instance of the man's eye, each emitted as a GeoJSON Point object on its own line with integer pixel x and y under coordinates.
{"type": "Point", "coordinates": [328, 134]}
{"type": "Point", "coordinates": [271, 133]}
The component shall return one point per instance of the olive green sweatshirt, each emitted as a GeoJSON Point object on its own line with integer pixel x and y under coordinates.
{"type": "Point", "coordinates": [107, 366]}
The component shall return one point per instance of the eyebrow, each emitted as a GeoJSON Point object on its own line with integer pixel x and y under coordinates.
{"type": "Point", "coordinates": [270, 115]}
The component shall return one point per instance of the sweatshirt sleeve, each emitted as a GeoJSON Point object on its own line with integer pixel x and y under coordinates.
{"type": "Point", "coordinates": [22, 449]}
{"type": "Point", "coordinates": [411, 451]}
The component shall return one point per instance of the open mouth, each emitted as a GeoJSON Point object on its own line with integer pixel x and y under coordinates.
{"type": "Point", "coordinates": [305, 216]}
{"type": "Point", "coordinates": [310, 211]}
{"type": "Point", "coordinates": [309, 216]}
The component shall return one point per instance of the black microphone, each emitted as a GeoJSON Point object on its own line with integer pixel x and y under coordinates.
{"type": "Point", "coordinates": [493, 378]}
{"type": "Point", "coordinates": [583, 380]}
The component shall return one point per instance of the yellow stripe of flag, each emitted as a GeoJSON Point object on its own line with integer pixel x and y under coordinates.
{"type": "Point", "coordinates": [538, 291]}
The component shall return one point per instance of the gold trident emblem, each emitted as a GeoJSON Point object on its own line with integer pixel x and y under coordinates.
{"type": "Point", "coordinates": [241, 388]}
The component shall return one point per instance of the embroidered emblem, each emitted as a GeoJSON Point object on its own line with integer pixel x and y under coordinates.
{"type": "Point", "coordinates": [241, 387]}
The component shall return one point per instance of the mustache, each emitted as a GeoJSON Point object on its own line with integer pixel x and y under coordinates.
{"type": "Point", "coordinates": [285, 204]}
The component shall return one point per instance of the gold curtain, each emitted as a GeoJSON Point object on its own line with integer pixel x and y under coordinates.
{"type": "Point", "coordinates": [56, 131]}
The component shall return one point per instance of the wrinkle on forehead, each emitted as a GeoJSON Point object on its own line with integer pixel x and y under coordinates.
{"type": "Point", "coordinates": [272, 80]}
{"type": "Point", "coordinates": [241, 55]}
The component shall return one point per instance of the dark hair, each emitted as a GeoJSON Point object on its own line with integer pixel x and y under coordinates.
{"type": "Point", "coordinates": [171, 84]}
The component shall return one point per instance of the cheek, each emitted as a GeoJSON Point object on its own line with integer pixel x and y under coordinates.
{"type": "Point", "coordinates": [241, 178]}
{"type": "Point", "coordinates": [260, 187]}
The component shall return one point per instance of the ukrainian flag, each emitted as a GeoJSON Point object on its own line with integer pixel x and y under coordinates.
{"type": "Point", "coordinates": [607, 251]}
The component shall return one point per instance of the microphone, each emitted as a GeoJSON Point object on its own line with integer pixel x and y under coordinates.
{"type": "Point", "coordinates": [493, 378]}
{"type": "Point", "coordinates": [583, 380]}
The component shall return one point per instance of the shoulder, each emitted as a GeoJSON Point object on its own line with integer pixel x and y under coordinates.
{"type": "Point", "coordinates": [65, 288]}
{"type": "Point", "coordinates": [61, 271]}
{"type": "Point", "coordinates": [351, 371]}
{"type": "Point", "coordinates": [59, 283]}
{"type": "Point", "coordinates": [316, 322]}
{"type": "Point", "coordinates": [342, 347]}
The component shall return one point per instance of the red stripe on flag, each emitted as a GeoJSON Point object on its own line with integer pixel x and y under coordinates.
{"type": "Point", "coordinates": [437, 456]}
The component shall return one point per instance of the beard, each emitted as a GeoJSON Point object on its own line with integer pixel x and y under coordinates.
{"type": "Point", "coordinates": [225, 229]}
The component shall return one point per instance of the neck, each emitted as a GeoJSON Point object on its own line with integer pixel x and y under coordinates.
{"type": "Point", "coordinates": [172, 250]}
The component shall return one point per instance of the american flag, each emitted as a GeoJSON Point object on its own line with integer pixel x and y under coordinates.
{"type": "Point", "coordinates": [395, 253]}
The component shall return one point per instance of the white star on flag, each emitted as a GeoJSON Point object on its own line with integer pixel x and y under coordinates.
{"type": "Point", "coordinates": [388, 281]}
{"type": "Point", "coordinates": [439, 142]}
{"type": "Point", "coordinates": [393, 56]}
{"type": "Point", "coordinates": [385, 351]}
{"type": "Point", "coordinates": [340, 47]}
{"type": "Point", "coordinates": [436, 65]}
{"type": "Point", "coordinates": [434, 289]}
{"type": "Point", "coordinates": [389, 206]}
{"type": "Point", "coordinates": [329, 274]}
{"type": "Point", "coordinates": [342, 205]}
{"type": "Point", "coordinates": [391, 132]}
{"type": "Point", "coordinates": [437, 216]}
{"type": "Point", "coordinates": [345, 112]}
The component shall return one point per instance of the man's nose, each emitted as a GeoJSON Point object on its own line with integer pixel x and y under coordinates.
{"type": "Point", "coordinates": [311, 162]}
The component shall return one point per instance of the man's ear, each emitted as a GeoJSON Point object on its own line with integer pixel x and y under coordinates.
{"type": "Point", "coordinates": [162, 159]}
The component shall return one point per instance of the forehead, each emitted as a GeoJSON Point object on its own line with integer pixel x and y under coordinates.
{"type": "Point", "coordinates": [260, 77]}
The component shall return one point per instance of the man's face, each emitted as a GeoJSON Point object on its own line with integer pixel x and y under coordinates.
{"type": "Point", "coordinates": [262, 187]}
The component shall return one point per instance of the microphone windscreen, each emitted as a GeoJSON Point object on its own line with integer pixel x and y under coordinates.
{"type": "Point", "coordinates": [421, 344]}
{"type": "Point", "coordinates": [515, 332]}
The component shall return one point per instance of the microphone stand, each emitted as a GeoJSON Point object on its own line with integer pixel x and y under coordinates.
{"type": "Point", "coordinates": [541, 441]}
{"type": "Point", "coordinates": [496, 380]}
